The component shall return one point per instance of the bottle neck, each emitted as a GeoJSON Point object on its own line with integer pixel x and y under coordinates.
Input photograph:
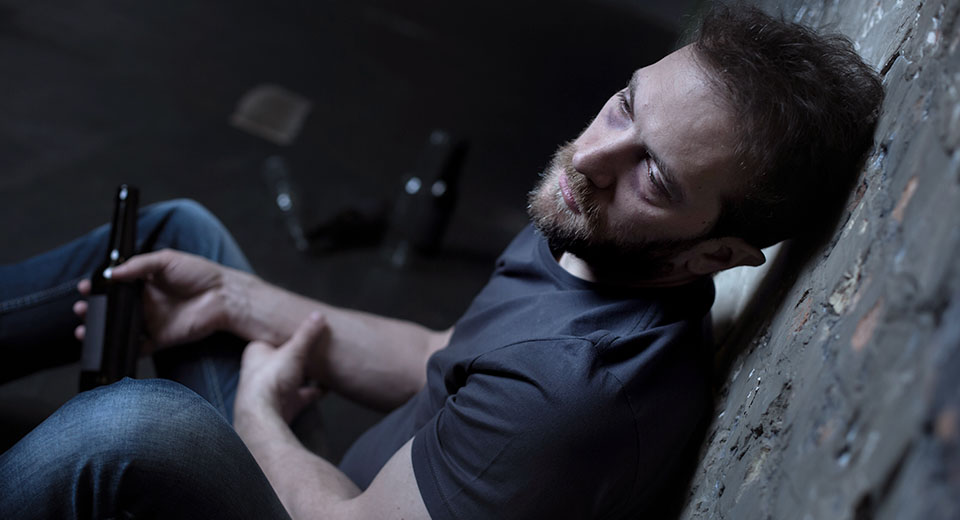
{"type": "Point", "coordinates": [123, 231]}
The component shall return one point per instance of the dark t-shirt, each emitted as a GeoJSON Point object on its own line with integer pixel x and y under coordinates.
{"type": "Point", "coordinates": [556, 397]}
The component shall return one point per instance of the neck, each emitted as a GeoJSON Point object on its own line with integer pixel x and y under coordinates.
{"type": "Point", "coordinates": [581, 269]}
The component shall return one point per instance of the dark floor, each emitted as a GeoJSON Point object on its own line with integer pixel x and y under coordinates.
{"type": "Point", "coordinates": [101, 92]}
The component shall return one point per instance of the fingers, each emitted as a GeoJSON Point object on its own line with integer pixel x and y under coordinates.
{"type": "Point", "coordinates": [305, 336]}
{"type": "Point", "coordinates": [307, 395]}
{"type": "Point", "coordinates": [83, 286]}
{"type": "Point", "coordinates": [292, 355]}
{"type": "Point", "coordinates": [80, 309]}
{"type": "Point", "coordinates": [255, 352]}
{"type": "Point", "coordinates": [141, 266]}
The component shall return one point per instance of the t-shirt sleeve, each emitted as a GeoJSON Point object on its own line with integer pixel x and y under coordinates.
{"type": "Point", "coordinates": [526, 437]}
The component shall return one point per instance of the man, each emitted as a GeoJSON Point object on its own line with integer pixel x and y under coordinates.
{"type": "Point", "coordinates": [574, 383]}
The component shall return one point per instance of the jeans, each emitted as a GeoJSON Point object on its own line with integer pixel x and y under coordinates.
{"type": "Point", "coordinates": [137, 448]}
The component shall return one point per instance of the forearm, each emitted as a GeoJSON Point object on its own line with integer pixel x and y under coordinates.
{"type": "Point", "coordinates": [307, 485]}
{"type": "Point", "coordinates": [372, 359]}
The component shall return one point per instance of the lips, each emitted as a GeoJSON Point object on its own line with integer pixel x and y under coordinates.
{"type": "Point", "coordinates": [567, 194]}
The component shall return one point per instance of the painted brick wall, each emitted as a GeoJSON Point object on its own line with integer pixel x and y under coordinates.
{"type": "Point", "coordinates": [842, 401]}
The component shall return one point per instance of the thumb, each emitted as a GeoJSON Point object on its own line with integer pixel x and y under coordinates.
{"type": "Point", "coordinates": [255, 353]}
{"type": "Point", "coordinates": [141, 266]}
{"type": "Point", "coordinates": [308, 394]}
{"type": "Point", "coordinates": [306, 335]}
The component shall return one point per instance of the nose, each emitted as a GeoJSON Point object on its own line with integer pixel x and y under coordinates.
{"type": "Point", "coordinates": [601, 156]}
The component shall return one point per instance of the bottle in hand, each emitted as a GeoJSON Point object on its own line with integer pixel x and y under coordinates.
{"type": "Point", "coordinates": [111, 344]}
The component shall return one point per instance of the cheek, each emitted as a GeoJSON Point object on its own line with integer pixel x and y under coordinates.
{"type": "Point", "coordinates": [699, 221]}
{"type": "Point", "coordinates": [625, 215]}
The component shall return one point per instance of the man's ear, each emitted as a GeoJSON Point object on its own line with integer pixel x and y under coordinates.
{"type": "Point", "coordinates": [717, 254]}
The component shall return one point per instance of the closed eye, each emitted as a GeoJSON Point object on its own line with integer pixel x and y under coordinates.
{"type": "Point", "coordinates": [625, 103]}
{"type": "Point", "coordinates": [656, 182]}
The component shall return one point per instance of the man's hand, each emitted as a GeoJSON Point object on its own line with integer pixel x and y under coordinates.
{"type": "Point", "coordinates": [184, 296]}
{"type": "Point", "coordinates": [269, 394]}
{"type": "Point", "coordinates": [272, 378]}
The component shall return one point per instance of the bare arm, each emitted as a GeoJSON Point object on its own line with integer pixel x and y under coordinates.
{"type": "Point", "coordinates": [309, 486]}
{"type": "Point", "coordinates": [372, 359]}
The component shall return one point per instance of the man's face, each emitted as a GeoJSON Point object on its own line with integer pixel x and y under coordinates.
{"type": "Point", "coordinates": [646, 179]}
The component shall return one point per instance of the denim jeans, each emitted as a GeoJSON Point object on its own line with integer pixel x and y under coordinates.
{"type": "Point", "coordinates": [137, 448]}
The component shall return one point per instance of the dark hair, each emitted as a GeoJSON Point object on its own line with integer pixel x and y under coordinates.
{"type": "Point", "coordinates": [806, 106]}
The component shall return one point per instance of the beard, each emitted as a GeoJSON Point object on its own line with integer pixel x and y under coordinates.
{"type": "Point", "coordinates": [611, 251]}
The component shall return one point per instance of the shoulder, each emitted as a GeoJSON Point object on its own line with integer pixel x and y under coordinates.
{"type": "Point", "coordinates": [559, 424]}
{"type": "Point", "coordinates": [535, 418]}
{"type": "Point", "coordinates": [554, 394]}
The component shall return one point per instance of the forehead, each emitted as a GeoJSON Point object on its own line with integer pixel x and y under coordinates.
{"type": "Point", "coordinates": [682, 118]}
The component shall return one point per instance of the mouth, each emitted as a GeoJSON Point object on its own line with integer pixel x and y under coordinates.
{"type": "Point", "coordinates": [567, 194]}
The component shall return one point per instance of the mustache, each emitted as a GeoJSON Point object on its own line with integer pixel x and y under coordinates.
{"type": "Point", "coordinates": [580, 185]}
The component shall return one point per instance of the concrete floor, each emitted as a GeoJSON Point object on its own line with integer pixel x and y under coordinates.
{"type": "Point", "coordinates": [102, 92]}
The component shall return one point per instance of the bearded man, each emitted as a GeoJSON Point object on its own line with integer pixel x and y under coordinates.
{"type": "Point", "coordinates": [573, 385]}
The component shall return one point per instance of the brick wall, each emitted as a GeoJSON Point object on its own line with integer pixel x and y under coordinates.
{"type": "Point", "coordinates": [843, 399]}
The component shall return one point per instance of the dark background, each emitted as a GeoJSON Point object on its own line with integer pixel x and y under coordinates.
{"type": "Point", "coordinates": [100, 92]}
